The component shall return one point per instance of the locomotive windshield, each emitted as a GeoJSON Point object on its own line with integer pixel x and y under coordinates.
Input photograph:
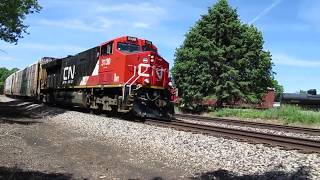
{"type": "Point", "coordinates": [128, 48]}
{"type": "Point", "coordinates": [148, 48]}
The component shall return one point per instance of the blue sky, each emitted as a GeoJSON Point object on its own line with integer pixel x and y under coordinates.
{"type": "Point", "coordinates": [291, 30]}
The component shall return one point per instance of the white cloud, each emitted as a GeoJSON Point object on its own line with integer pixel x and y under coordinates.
{"type": "Point", "coordinates": [98, 16]}
{"type": "Point", "coordinates": [285, 27]}
{"type": "Point", "coordinates": [285, 60]}
{"type": "Point", "coordinates": [7, 58]}
{"type": "Point", "coordinates": [104, 23]}
{"type": "Point", "coordinates": [46, 47]}
{"type": "Point", "coordinates": [141, 9]}
{"type": "Point", "coordinates": [141, 25]}
{"type": "Point", "coordinates": [309, 12]}
{"type": "Point", "coordinates": [76, 24]}
{"type": "Point", "coordinates": [265, 11]}
{"type": "Point", "coordinates": [133, 15]}
{"type": "Point", "coordinates": [100, 24]}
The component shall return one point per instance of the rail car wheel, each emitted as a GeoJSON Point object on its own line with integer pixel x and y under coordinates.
{"type": "Point", "coordinates": [97, 111]}
{"type": "Point", "coordinates": [113, 112]}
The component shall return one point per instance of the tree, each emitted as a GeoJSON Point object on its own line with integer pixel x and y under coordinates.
{"type": "Point", "coordinates": [278, 90]}
{"type": "Point", "coordinates": [12, 15]}
{"type": "Point", "coordinates": [222, 57]}
{"type": "Point", "coordinates": [4, 73]}
{"type": "Point", "coordinates": [302, 92]}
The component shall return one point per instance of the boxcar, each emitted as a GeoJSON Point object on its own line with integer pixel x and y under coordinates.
{"type": "Point", "coordinates": [23, 82]}
{"type": "Point", "coordinates": [8, 85]}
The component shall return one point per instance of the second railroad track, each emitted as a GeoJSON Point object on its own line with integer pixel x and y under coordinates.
{"type": "Point", "coordinates": [304, 145]}
{"type": "Point", "coordinates": [294, 129]}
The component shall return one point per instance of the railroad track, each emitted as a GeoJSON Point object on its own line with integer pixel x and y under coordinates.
{"type": "Point", "coordinates": [304, 145]}
{"type": "Point", "coordinates": [310, 131]}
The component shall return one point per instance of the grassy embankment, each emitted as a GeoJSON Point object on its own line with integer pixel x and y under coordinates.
{"type": "Point", "coordinates": [285, 114]}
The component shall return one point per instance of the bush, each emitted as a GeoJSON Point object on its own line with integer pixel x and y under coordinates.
{"type": "Point", "coordinates": [1, 88]}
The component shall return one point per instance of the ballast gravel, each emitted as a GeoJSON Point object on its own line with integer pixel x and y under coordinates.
{"type": "Point", "coordinates": [200, 156]}
{"type": "Point", "coordinates": [262, 130]}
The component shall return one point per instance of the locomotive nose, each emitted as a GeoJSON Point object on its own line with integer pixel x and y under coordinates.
{"type": "Point", "coordinates": [153, 70]}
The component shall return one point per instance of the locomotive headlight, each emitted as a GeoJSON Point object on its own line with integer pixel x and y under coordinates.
{"type": "Point", "coordinates": [146, 81]}
{"type": "Point", "coordinates": [152, 58]}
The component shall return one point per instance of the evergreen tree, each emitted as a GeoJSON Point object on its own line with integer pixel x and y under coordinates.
{"type": "Point", "coordinates": [222, 57]}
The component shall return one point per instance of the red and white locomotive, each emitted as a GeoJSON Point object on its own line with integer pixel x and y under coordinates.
{"type": "Point", "coordinates": [125, 74]}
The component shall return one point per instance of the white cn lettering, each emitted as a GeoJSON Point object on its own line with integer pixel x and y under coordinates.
{"type": "Point", "coordinates": [143, 74]}
{"type": "Point", "coordinates": [71, 72]}
{"type": "Point", "coordinates": [68, 72]}
{"type": "Point", "coordinates": [65, 75]}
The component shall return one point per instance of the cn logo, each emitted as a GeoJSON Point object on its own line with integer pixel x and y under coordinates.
{"type": "Point", "coordinates": [68, 72]}
{"type": "Point", "coordinates": [159, 72]}
{"type": "Point", "coordinates": [143, 70]}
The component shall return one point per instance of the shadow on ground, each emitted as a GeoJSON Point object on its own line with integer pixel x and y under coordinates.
{"type": "Point", "coordinates": [19, 174]}
{"type": "Point", "coordinates": [24, 112]}
{"type": "Point", "coordinates": [221, 174]}
{"type": "Point", "coordinates": [20, 111]}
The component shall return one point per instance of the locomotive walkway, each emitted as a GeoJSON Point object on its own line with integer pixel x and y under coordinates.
{"type": "Point", "coordinates": [304, 145]}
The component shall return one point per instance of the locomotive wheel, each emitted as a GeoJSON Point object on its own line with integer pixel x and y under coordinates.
{"type": "Point", "coordinates": [113, 112]}
{"type": "Point", "coordinates": [96, 111]}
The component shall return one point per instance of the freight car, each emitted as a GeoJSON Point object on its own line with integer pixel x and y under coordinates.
{"type": "Point", "coordinates": [309, 100]}
{"type": "Point", "coordinates": [125, 74]}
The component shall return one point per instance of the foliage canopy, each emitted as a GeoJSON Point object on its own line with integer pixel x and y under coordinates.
{"type": "Point", "coordinates": [224, 58]}
{"type": "Point", "coordinates": [12, 15]}
{"type": "Point", "coordinates": [4, 73]}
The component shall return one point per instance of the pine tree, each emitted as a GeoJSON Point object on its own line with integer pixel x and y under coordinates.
{"type": "Point", "coordinates": [222, 57]}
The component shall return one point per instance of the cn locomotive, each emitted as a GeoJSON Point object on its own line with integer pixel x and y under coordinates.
{"type": "Point", "coordinates": [126, 74]}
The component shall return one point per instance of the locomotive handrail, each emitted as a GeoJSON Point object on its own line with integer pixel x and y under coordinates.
{"type": "Point", "coordinates": [125, 84]}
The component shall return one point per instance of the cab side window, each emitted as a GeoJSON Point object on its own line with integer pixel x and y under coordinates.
{"type": "Point", "coordinates": [107, 49]}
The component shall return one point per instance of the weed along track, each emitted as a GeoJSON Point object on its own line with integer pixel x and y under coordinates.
{"type": "Point", "coordinates": [304, 145]}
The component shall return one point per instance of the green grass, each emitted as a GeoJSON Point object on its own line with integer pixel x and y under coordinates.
{"type": "Point", "coordinates": [287, 114]}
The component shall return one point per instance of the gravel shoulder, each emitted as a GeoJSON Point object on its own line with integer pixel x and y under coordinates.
{"type": "Point", "coordinates": [53, 143]}
{"type": "Point", "coordinates": [33, 146]}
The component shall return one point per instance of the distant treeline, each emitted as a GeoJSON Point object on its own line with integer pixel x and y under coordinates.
{"type": "Point", "coordinates": [4, 73]}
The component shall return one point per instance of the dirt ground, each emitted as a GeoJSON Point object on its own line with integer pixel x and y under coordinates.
{"type": "Point", "coordinates": [33, 148]}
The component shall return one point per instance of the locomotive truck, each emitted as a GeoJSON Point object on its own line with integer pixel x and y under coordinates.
{"type": "Point", "coordinates": [125, 74]}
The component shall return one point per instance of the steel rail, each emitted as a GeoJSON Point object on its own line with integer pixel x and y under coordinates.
{"type": "Point", "coordinates": [310, 131]}
{"type": "Point", "coordinates": [304, 145]}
